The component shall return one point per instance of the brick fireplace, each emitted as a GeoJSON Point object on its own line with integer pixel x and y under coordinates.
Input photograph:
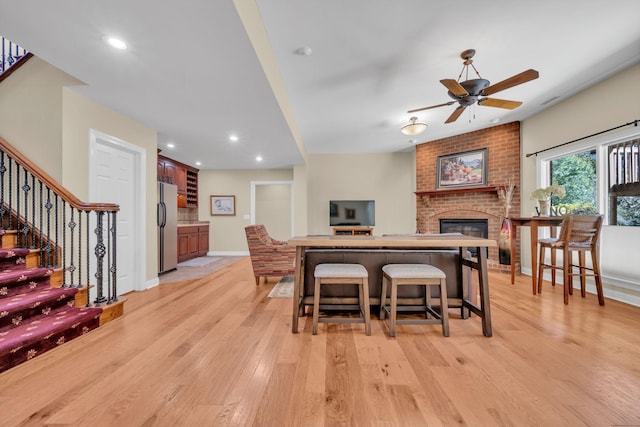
{"type": "Point", "coordinates": [503, 164]}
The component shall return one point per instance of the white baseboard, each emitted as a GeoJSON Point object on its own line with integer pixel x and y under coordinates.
{"type": "Point", "coordinates": [614, 288]}
{"type": "Point", "coordinates": [228, 253]}
{"type": "Point", "coordinates": [151, 284]}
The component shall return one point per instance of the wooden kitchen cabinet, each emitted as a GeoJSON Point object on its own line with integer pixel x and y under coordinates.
{"type": "Point", "coordinates": [193, 241]}
{"type": "Point", "coordinates": [203, 240]}
{"type": "Point", "coordinates": [187, 243]}
{"type": "Point", "coordinates": [181, 180]}
{"type": "Point", "coordinates": [166, 171]}
{"type": "Point", "coordinates": [183, 176]}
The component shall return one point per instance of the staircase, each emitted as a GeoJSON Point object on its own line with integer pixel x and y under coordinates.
{"type": "Point", "coordinates": [34, 315]}
{"type": "Point", "coordinates": [57, 262]}
{"type": "Point", "coordinates": [58, 258]}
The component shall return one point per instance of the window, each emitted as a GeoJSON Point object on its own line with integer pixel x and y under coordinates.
{"type": "Point", "coordinates": [624, 183]}
{"type": "Point", "coordinates": [601, 175]}
{"type": "Point", "coordinates": [577, 174]}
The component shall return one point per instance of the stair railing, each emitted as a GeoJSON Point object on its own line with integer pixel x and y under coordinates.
{"type": "Point", "coordinates": [76, 237]}
{"type": "Point", "coordinates": [12, 57]}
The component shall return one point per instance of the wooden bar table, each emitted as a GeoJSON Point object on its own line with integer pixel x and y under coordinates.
{"type": "Point", "coordinates": [459, 241]}
{"type": "Point", "coordinates": [533, 223]}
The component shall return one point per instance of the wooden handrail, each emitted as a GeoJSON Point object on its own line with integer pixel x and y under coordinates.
{"type": "Point", "coordinates": [53, 184]}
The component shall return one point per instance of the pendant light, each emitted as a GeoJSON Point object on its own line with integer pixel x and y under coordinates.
{"type": "Point", "coordinates": [413, 128]}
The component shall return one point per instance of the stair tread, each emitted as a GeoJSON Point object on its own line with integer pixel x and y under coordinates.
{"type": "Point", "coordinates": [39, 327]}
{"type": "Point", "coordinates": [26, 300]}
{"type": "Point", "coordinates": [12, 252]}
{"type": "Point", "coordinates": [10, 276]}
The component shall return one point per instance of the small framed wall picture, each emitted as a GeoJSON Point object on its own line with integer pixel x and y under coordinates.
{"type": "Point", "coordinates": [223, 205]}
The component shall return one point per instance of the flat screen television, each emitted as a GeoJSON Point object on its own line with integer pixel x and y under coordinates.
{"type": "Point", "coordinates": [352, 212]}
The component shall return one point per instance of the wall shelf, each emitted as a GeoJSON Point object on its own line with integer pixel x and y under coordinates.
{"type": "Point", "coordinates": [457, 191]}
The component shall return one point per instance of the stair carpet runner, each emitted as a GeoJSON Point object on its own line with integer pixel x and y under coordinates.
{"type": "Point", "coordinates": [34, 316]}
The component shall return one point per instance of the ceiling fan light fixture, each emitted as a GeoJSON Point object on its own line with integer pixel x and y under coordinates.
{"type": "Point", "coordinates": [414, 127]}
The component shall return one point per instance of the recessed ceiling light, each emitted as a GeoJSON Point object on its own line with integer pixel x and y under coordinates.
{"type": "Point", "coordinates": [115, 42]}
{"type": "Point", "coordinates": [496, 120]}
{"type": "Point", "coordinates": [171, 145]}
{"type": "Point", "coordinates": [233, 138]}
{"type": "Point", "coordinates": [198, 163]}
{"type": "Point", "coordinates": [258, 158]}
{"type": "Point", "coordinates": [412, 141]}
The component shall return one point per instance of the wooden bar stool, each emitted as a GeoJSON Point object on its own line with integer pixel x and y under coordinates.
{"type": "Point", "coordinates": [342, 274]}
{"type": "Point", "coordinates": [414, 274]}
{"type": "Point", "coordinates": [579, 233]}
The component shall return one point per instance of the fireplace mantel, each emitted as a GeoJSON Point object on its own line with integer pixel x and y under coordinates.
{"type": "Point", "coordinates": [457, 191]}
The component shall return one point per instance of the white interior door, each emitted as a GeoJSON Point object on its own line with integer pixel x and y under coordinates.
{"type": "Point", "coordinates": [115, 177]}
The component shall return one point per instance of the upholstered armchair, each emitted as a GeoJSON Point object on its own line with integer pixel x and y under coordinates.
{"type": "Point", "coordinates": [269, 257]}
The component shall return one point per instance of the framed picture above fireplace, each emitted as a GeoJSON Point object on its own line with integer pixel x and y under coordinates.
{"type": "Point", "coordinates": [462, 170]}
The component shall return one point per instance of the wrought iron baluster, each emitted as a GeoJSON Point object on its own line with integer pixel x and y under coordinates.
{"type": "Point", "coordinates": [10, 187]}
{"type": "Point", "coordinates": [64, 241]}
{"type": "Point", "coordinates": [47, 247]}
{"type": "Point", "coordinates": [88, 239]}
{"type": "Point", "coordinates": [25, 224]}
{"type": "Point", "coordinates": [43, 252]}
{"type": "Point", "coordinates": [108, 247]}
{"type": "Point", "coordinates": [3, 169]}
{"type": "Point", "coordinates": [33, 215]}
{"type": "Point", "coordinates": [99, 252]}
{"type": "Point", "coordinates": [114, 253]}
{"type": "Point", "coordinates": [57, 240]}
{"type": "Point", "coordinates": [80, 248]}
{"type": "Point", "coordinates": [18, 210]}
{"type": "Point", "coordinates": [9, 57]}
{"type": "Point", "coordinates": [72, 226]}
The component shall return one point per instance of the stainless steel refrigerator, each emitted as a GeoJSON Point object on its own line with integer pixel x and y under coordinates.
{"type": "Point", "coordinates": [167, 214]}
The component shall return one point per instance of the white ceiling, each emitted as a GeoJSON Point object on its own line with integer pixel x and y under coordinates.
{"type": "Point", "coordinates": [193, 74]}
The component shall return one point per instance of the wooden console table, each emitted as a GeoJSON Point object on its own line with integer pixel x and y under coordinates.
{"type": "Point", "coordinates": [356, 230]}
{"type": "Point", "coordinates": [533, 223]}
{"type": "Point", "coordinates": [461, 242]}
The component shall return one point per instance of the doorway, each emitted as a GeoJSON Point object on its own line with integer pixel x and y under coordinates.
{"type": "Point", "coordinates": [116, 176]}
{"type": "Point", "coordinates": [272, 205]}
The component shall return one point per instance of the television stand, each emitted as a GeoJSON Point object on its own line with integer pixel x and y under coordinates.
{"type": "Point", "coordinates": [353, 231]}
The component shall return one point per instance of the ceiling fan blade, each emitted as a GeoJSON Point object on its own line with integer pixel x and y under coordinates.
{"type": "Point", "coordinates": [518, 79]}
{"type": "Point", "coordinates": [456, 113]}
{"type": "Point", "coordinates": [500, 103]}
{"type": "Point", "coordinates": [433, 106]}
{"type": "Point", "coordinates": [454, 87]}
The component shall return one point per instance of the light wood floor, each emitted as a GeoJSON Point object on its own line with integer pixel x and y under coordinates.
{"type": "Point", "coordinates": [216, 351]}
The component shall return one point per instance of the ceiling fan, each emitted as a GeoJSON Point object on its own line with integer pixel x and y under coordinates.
{"type": "Point", "coordinates": [472, 91]}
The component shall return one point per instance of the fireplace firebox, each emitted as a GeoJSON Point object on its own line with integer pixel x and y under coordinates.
{"type": "Point", "coordinates": [476, 227]}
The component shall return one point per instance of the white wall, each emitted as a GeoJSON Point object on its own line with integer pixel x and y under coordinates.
{"type": "Point", "coordinates": [274, 209]}
{"type": "Point", "coordinates": [387, 178]}
{"type": "Point", "coordinates": [31, 113]}
{"type": "Point", "coordinates": [608, 104]}
{"type": "Point", "coordinates": [81, 114]}
{"type": "Point", "coordinates": [226, 233]}
{"type": "Point", "coordinates": [49, 123]}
